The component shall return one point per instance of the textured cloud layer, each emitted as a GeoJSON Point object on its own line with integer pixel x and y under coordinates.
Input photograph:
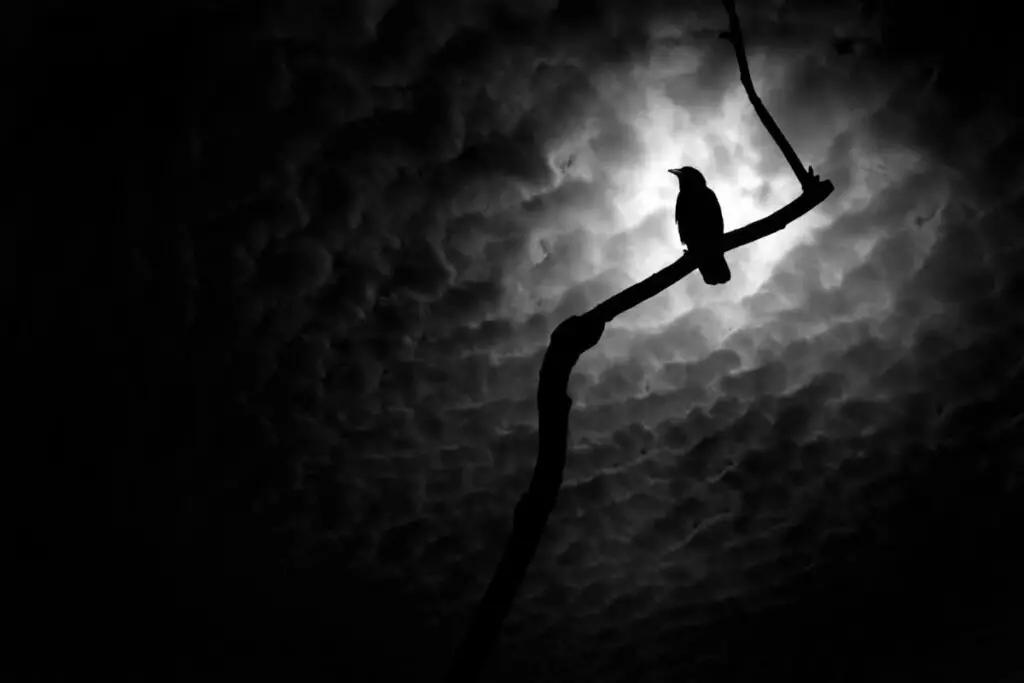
{"type": "Point", "coordinates": [384, 208]}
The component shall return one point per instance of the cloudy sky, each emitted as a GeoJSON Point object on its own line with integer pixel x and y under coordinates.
{"type": "Point", "coordinates": [283, 275]}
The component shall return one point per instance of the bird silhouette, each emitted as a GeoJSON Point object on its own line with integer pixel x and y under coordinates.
{"type": "Point", "coordinates": [700, 223]}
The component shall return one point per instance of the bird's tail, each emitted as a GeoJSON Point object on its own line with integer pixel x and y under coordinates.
{"type": "Point", "coordinates": [715, 270]}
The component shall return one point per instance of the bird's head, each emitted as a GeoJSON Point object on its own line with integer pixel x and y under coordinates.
{"type": "Point", "coordinates": [688, 176]}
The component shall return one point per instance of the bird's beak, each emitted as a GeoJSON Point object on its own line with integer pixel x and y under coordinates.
{"type": "Point", "coordinates": [674, 171]}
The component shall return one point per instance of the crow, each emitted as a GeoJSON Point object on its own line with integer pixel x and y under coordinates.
{"type": "Point", "coordinates": [701, 227]}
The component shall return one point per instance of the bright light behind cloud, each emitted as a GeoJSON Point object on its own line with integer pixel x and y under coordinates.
{"type": "Point", "coordinates": [640, 237]}
{"type": "Point", "coordinates": [383, 214]}
{"type": "Point", "coordinates": [724, 151]}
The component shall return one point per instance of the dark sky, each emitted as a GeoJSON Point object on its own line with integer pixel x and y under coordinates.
{"type": "Point", "coordinates": [282, 275]}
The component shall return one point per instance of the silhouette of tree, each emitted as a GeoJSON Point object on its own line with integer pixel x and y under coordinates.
{"type": "Point", "coordinates": [570, 339]}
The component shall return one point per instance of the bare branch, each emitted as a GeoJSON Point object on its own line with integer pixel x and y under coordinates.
{"type": "Point", "coordinates": [570, 339]}
{"type": "Point", "coordinates": [531, 516]}
{"type": "Point", "coordinates": [735, 36]}
{"type": "Point", "coordinates": [813, 194]}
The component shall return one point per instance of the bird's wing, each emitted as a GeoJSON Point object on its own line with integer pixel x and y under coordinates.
{"type": "Point", "coordinates": [682, 220]}
{"type": "Point", "coordinates": [716, 223]}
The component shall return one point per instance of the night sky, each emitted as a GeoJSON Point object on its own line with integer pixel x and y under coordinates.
{"type": "Point", "coordinates": [282, 276]}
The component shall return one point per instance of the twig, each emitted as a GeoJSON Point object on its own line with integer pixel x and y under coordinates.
{"type": "Point", "coordinates": [735, 36]}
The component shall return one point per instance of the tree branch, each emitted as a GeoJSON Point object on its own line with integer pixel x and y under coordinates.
{"type": "Point", "coordinates": [814, 193]}
{"type": "Point", "coordinates": [570, 339]}
{"type": "Point", "coordinates": [568, 342]}
{"type": "Point", "coordinates": [735, 36]}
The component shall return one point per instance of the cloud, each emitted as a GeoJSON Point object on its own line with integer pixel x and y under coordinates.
{"type": "Point", "coordinates": [376, 214]}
